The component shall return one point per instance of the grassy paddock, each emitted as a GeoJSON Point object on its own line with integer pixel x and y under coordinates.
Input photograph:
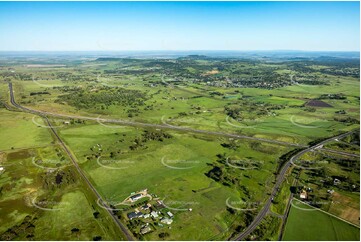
{"type": "Point", "coordinates": [307, 223]}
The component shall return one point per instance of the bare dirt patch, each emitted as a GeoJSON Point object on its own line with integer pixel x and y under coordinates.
{"type": "Point", "coordinates": [318, 103]}
{"type": "Point", "coordinates": [22, 154]}
{"type": "Point", "coordinates": [212, 72]}
{"type": "Point", "coordinates": [346, 208]}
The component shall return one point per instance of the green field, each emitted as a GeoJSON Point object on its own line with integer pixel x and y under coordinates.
{"type": "Point", "coordinates": [144, 169]}
{"type": "Point", "coordinates": [59, 207]}
{"type": "Point", "coordinates": [306, 223]}
{"type": "Point", "coordinates": [214, 186]}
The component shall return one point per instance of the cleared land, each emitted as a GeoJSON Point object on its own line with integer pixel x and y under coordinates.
{"type": "Point", "coordinates": [307, 223]}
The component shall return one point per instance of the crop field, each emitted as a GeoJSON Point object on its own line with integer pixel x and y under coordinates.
{"type": "Point", "coordinates": [307, 223]}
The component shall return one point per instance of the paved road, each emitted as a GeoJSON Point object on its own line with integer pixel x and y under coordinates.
{"type": "Point", "coordinates": [257, 220]}
{"type": "Point", "coordinates": [340, 152]}
{"type": "Point", "coordinates": [122, 227]}
{"type": "Point", "coordinates": [139, 124]}
{"type": "Point", "coordinates": [72, 158]}
{"type": "Point", "coordinates": [280, 176]}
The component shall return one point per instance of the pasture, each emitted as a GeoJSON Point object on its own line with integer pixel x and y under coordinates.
{"type": "Point", "coordinates": [306, 223]}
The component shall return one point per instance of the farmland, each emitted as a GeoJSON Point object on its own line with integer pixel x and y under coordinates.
{"type": "Point", "coordinates": [193, 182]}
{"type": "Point", "coordinates": [310, 224]}
{"type": "Point", "coordinates": [38, 183]}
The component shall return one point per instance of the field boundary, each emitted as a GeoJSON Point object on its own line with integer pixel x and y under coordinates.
{"type": "Point", "coordinates": [326, 213]}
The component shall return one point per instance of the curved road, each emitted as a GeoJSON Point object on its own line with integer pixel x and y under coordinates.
{"type": "Point", "coordinates": [257, 220]}
{"type": "Point", "coordinates": [139, 124]}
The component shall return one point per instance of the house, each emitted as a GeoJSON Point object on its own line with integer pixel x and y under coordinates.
{"type": "Point", "coordinates": [136, 197]}
{"type": "Point", "coordinates": [336, 182]}
{"type": "Point", "coordinates": [146, 215]}
{"type": "Point", "coordinates": [66, 122]}
{"type": "Point", "coordinates": [330, 191]}
{"type": "Point", "coordinates": [154, 214]}
{"type": "Point", "coordinates": [145, 207]}
{"type": "Point", "coordinates": [145, 230]}
{"type": "Point", "coordinates": [159, 204]}
{"type": "Point", "coordinates": [133, 215]}
{"type": "Point", "coordinates": [166, 221]}
{"type": "Point", "coordinates": [303, 194]}
{"type": "Point", "coordinates": [170, 214]}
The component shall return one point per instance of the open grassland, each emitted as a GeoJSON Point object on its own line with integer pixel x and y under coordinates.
{"type": "Point", "coordinates": [214, 186]}
{"type": "Point", "coordinates": [278, 113]}
{"type": "Point", "coordinates": [41, 195]}
{"type": "Point", "coordinates": [173, 169]}
{"type": "Point", "coordinates": [17, 130]}
{"type": "Point", "coordinates": [306, 223]}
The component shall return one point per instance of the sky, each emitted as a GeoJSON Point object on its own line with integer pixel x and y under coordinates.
{"type": "Point", "coordinates": [107, 26]}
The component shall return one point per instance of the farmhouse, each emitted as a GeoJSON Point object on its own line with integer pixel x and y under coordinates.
{"type": "Point", "coordinates": [135, 197]}
{"type": "Point", "coordinates": [330, 191]}
{"type": "Point", "coordinates": [146, 206]}
{"type": "Point", "coordinates": [303, 194]}
{"type": "Point", "coordinates": [134, 215]}
{"type": "Point", "coordinates": [145, 230]}
{"type": "Point", "coordinates": [154, 214]}
{"type": "Point", "coordinates": [166, 221]}
{"type": "Point", "coordinates": [336, 182]}
{"type": "Point", "coordinates": [170, 214]}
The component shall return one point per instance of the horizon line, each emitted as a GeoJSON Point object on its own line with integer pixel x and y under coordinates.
{"type": "Point", "coordinates": [256, 50]}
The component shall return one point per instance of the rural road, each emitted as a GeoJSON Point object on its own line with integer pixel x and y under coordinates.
{"type": "Point", "coordinates": [122, 227]}
{"type": "Point", "coordinates": [139, 124]}
{"type": "Point", "coordinates": [72, 158]}
{"type": "Point", "coordinates": [257, 220]}
{"type": "Point", "coordinates": [340, 152]}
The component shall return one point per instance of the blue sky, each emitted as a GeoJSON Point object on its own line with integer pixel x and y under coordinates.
{"type": "Point", "coordinates": [73, 26]}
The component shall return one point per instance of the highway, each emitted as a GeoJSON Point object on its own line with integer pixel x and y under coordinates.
{"type": "Point", "coordinates": [122, 227]}
{"type": "Point", "coordinates": [340, 152]}
{"type": "Point", "coordinates": [139, 124]}
{"type": "Point", "coordinates": [259, 217]}
{"type": "Point", "coordinates": [72, 158]}
{"type": "Point", "coordinates": [257, 220]}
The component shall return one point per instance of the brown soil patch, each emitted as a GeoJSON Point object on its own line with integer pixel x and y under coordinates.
{"type": "Point", "coordinates": [2, 157]}
{"type": "Point", "coordinates": [212, 72]}
{"type": "Point", "coordinates": [22, 154]}
{"type": "Point", "coordinates": [346, 208]}
{"type": "Point", "coordinates": [318, 103]}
